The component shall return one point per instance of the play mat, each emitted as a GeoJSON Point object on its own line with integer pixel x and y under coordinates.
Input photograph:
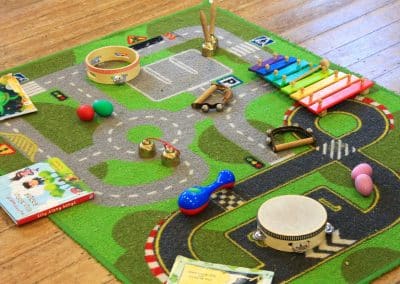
{"type": "Point", "coordinates": [134, 226]}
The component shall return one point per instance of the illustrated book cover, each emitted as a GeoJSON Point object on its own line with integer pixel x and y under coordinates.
{"type": "Point", "coordinates": [13, 99]}
{"type": "Point", "coordinates": [190, 271]}
{"type": "Point", "coordinates": [41, 189]}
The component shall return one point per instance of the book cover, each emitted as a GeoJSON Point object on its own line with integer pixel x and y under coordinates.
{"type": "Point", "coordinates": [41, 189]}
{"type": "Point", "coordinates": [13, 99]}
{"type": "Point", "coordinates": [190, 271]}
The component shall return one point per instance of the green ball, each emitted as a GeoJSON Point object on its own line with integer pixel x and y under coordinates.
{"type": "Point", "coordinates": [103, 107]}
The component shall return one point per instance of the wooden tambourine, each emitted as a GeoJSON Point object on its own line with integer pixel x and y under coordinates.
{"type": "Point", "coordinates": [117, 76]}
{"type": "Point", "coordinates": [291, 223]}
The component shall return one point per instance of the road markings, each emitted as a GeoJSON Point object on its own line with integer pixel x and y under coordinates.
{"type": "Point", "coordinates": [337, 149]}
{"type": "Point", "coordinates": [83, 159]}
{"type": "Point", "coordinates": [97, 153]}
{"type": "Point", "coordinates": [183, 66]}
{"type": "Point", "coordinates": [157, 75]}
{"type": "Point", "coordinates": [32, 88]}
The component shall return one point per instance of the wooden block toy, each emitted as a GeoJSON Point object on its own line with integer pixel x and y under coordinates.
{"type": "Point", "coordinates": [307, 91]}
{"type": "Point", "coordinates": [329, 90]}
{"type": "Point", "coordinates": [315, 77]}
{"type": "Point", "coordinates": [349, 92]}
{"type": "Point", "coordinates": [259, 68]}
{"type": "Point", "coordinates": [290, 72]}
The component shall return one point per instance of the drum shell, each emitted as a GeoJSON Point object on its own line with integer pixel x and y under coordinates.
{"type": "Point", "coordinates": [292, 243]}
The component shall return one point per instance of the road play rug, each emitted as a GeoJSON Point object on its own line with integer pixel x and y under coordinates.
{"type": "Point", "coordinates": [134, 227]}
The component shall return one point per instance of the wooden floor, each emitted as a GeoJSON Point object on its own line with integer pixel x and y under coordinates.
{"type": "Point", "coordinates": [363, 35]}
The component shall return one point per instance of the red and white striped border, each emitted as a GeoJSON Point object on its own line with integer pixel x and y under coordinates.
{"type": "Point", "coordinates": [362, 99]}
{"type": "Point", "coordinates": [379, 106]}
{"type": "Point", "coordinates": [150, 256]}
{"type": "Point", "coordinates": [289, 112]}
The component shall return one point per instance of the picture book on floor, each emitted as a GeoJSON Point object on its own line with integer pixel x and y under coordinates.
{"type": "Point", "coordinates": [190, 271]}
{"type": "Point", "coordinates": [13, 99]}
{"type": "Point", "coordinates": [41, 189]}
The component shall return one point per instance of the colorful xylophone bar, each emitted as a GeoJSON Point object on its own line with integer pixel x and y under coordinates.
{"type": "Point", "coordinates": [316, 87]}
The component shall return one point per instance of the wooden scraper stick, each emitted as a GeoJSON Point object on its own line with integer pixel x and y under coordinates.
{"type": "Point", "coordinates": [213, 14]}
{"type": "Point", "coordinates": [203, 21]}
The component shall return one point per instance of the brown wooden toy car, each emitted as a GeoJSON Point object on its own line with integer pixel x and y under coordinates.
{"type": "Point", "coordinates": [216, 96]}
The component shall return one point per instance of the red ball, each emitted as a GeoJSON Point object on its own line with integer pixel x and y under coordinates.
{"type": "Point", "coordinates": [85, 112]}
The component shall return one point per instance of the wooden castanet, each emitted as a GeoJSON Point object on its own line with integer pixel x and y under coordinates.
{"type": "Point", "coordinates": [293, 144]}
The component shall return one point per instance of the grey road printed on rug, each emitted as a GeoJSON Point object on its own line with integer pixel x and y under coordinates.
{"type": "Point", "coordinates": [193, 73]}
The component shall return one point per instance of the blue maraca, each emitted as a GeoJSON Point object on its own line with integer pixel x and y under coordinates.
{"type": "Point", "coordinates": [195, 199]}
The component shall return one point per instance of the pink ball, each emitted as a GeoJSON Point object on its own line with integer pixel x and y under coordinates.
{"type": "Point", "coordinates": [363, 168]}
{"type": "Point", "coordinates": [364, 184]}
{"type": "Point", "coordinates": [85, 112]}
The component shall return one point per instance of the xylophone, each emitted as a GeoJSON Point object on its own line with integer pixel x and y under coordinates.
{"type": "Point", "coordinates": [316, 87]}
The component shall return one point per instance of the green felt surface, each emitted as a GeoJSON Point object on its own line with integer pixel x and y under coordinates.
{"type": "Point", "coordinates": [128, 173]}
{"type": "Point", "coordinates": [116, 235]}
{"type": "Point", "coordinates": [138, 133]}
{"type": "Point", "coordinates": [338, 124]}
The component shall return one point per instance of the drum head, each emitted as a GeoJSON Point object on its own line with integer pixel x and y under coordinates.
{"type": "Point", "coordinates": [291, 215]}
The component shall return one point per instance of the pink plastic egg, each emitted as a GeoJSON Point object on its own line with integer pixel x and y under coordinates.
{"type": "Point", "coordinates": [364, 184]}
{"type": "Point", "coordinates": [363, 168]}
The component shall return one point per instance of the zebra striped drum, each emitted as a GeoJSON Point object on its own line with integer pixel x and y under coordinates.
{"type": "Point", "coordinates": [292, 223]}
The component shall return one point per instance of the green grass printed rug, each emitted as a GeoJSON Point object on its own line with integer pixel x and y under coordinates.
{"type": "Point", "coordinates": [134, 195]}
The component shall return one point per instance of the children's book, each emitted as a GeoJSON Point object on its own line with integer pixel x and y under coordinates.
{"type": "Point", "coordinates": [13, 99]}
{"type": "Point", "coordinates": [190, 271]}
{"type": "Point", "coordinates": [41, 189]}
